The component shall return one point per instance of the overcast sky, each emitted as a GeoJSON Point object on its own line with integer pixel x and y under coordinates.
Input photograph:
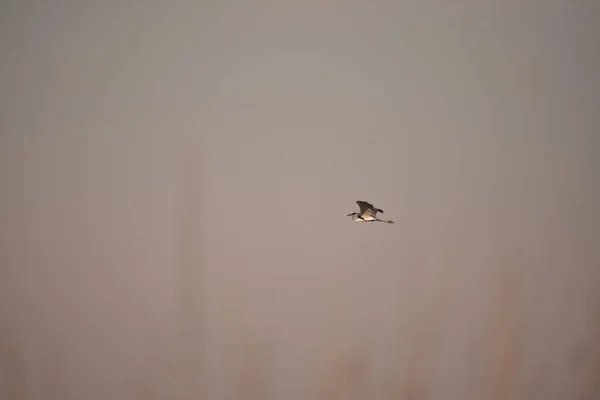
{"type": "Point", "coordinates": [175, 181]}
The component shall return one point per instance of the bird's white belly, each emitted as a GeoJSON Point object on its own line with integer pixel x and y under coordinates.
{"type": "Point", "coordinates": [368, 218]}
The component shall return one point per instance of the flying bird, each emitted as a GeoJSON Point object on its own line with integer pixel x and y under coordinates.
{"type": "Point", "coordinates": [368, 213]}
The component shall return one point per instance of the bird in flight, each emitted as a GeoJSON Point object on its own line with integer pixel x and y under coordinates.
{"type": "Point", "coordinates": [368, 213]}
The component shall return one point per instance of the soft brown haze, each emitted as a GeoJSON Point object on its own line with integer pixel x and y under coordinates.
{"type": "Point", "coordinates": [175, 181]}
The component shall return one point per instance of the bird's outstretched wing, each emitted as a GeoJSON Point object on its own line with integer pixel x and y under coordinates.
{"type": "Point", "coordinates": [368, 208]}
{"type": "Point", "coordinates": [364, 206]}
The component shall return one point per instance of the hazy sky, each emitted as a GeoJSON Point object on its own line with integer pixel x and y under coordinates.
{"type": "Point", "coordinates": [175, 181]}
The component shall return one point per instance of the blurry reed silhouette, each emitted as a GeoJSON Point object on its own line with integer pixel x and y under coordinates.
{"type": "Point", "coordinates": [344, 358]}
{"type": "Point", "coordinates": [13, 367]}
{"type": "Point", "coordinates": [189, 264]}
{"type": "Point", "coordinates": [349, 378]}
{"type": "Point", "coordinates": [504, 337]}
{"type": "Point", "coordinates": [253, 381]}
{"type": "Point", "coordinates": [592, 365]}
{"type": "Point", "coordinates": [427, 331]}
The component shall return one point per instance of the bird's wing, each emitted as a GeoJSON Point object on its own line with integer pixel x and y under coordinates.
{"type": "Point", "coordinates": [364, 206]}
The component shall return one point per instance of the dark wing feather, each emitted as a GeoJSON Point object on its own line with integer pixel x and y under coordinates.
{"type": "Point", "coordinates": [363, 205]}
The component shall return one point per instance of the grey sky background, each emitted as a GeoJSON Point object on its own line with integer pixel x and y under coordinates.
{"type": "Point", "coordinates": [175, 181]}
